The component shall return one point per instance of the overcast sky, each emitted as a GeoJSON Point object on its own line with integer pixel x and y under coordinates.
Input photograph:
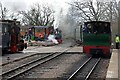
{"type": "Point", "coordinates": [25, 4]}
{"type": "Point", "coordinates": [16, 5]}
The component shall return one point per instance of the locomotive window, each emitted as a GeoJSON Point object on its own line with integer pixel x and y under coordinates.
{"type": "Point", "coordinates": [106, 28]}
{"type": "Point", "coordinates": [89, 28]}
{"type": "Point", "coordinates": [97, 27]}
{"type": "Point", "coordinates": [5, 28]}
{"type": "Point", "coordinates": [101, 28]}
{"type": "Point", "coordinates": [0, 28]}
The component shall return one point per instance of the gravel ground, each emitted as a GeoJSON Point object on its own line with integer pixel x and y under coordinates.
{"type": "Point", "coordinates": [74, 67]}
{"type": "Point", "coordinates": [101, 70]}
{"type": "Point", "coordinates": [55, 68]}
{"type": "Point", "coordinates": [85, 70]}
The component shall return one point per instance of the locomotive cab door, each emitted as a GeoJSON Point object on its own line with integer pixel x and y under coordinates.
{"type": "Point", "coordinates": [5, 37]}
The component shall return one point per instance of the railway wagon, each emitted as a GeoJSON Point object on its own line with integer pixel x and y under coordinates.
{"type": "Point", "coordinates": [37, 31]}
{"type": "Point", "coordinates": [10, 33]}
{"type": "Point", "coordinates": [97, 38]}
{"type": "Point", "coordinates": [41, 31]}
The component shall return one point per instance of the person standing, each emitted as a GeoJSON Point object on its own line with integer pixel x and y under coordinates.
{"type": "Point", "coordinates": [117, 40]}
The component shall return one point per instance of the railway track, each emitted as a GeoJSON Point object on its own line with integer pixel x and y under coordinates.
{"type": "Point", "coordinates": [16, 60]}
{"type": "Point", "coordinates": [13, 73]}
{"type": "Point", "coordinates": [12, 61]}
{"type": "Point", "coordinates": [23, 60]}
{"type": "Point", "coordinates": [82, 69]}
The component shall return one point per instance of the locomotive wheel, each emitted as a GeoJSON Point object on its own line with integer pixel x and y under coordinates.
{"type": "Point", "coordinates": [25, 45]}
{"type": "Point", "coordinates": [21, 47]}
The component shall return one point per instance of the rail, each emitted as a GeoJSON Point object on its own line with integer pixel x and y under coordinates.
{"type": "Point", "coordinates": [82, 66]}
{"type": "Point", "coordinates": [11, 74]}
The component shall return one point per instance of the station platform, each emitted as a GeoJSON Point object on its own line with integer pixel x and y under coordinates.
{"type": "Point", "coordinates": [32, 50]}
{"type": "Point", "coordinates": [113, 72]}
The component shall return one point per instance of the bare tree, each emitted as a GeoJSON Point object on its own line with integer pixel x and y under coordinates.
{"type": "Point", "coordinates": [88, 11]}
{"type": "Point", "coordinates": [3, 11]}
{"type": "Point", "coordinates": [14, 15]}
{"type": "Point", "coordinates": [111, 10]}
{"type": "Point", "coordinates": [119, 18]}
{"type": "Point", "coordinates": [38, 15]}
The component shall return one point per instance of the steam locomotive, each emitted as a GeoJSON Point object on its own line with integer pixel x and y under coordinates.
{"type": "Point", "coordinates": [10, 34]}
{"type": "Point", "coordinates": [97, 38]}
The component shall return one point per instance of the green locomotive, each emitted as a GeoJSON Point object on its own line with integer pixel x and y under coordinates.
{"type": "Point", "coordinates": [97, 38]}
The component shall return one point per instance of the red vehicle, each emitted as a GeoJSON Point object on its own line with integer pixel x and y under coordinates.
{"type": "Point", "coordinates": [11, 40]}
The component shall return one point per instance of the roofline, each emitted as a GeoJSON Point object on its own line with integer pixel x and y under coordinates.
{"type": "Point", "coordinates": [96, 21]}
